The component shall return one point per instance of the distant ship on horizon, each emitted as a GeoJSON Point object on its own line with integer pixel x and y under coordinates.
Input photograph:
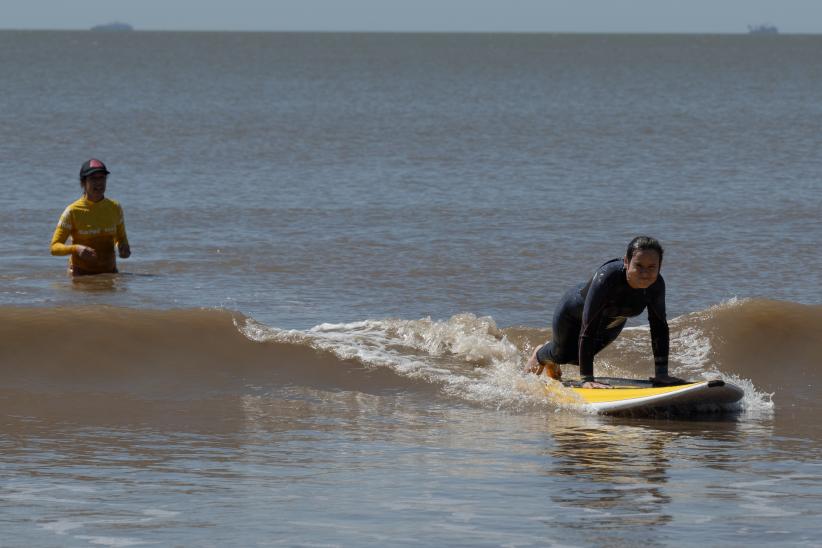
{"type": "Point", "coordinates": [762, 29]}
{"type": "Point", "coordinates": [115, 26]}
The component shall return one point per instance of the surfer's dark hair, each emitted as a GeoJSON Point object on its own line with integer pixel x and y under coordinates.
{"type": "Point", "coordinates": [643, 243]}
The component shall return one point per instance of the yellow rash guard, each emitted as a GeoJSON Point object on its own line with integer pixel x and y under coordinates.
{"type": "Point", "coordinates": [98, 225]}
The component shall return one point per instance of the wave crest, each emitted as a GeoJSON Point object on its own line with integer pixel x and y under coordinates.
{"type": "Point", "coordinates": [763, 345]}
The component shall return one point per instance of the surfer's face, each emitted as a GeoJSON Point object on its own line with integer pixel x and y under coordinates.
{"type": "Point", "coordinates": [95, 186]}
{"type": "Point", "coordinates": [643, 268]}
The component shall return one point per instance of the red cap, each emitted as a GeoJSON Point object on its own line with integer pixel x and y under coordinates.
{"type": "Point", "coordinates": [93, 166]}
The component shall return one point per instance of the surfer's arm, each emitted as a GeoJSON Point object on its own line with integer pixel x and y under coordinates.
{"type": "Point", "coordinates": [660, 334]}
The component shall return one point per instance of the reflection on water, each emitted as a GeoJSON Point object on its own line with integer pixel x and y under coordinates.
{"type": "Point", "coordinates": [96, 283]}
{"type": "Point", "coordinates": [120, 470]}
{"type": "Point", "coordinates": [99, 282]}
{"type": "Point", "coordinates": [233, 469]}
{"type": "Point", "coordinates": [619, 475]}
{"type": "Point", "coordinates": [616, 474]}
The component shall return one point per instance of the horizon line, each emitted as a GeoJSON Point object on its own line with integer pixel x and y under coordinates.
{"type": "Point", "coordinates": [351, 31]}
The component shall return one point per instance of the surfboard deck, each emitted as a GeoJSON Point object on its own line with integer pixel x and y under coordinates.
{"type": "Point", "coordinates": [638, 397]}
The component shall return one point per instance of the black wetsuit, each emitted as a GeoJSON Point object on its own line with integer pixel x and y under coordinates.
{"type": "Point", "coordinates": [591, 315]}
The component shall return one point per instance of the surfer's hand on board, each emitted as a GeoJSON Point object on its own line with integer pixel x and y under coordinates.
{"type": "Point", "coordinates": [595, 384]}
{"type": "Point", "coordinates": [666, 380]}
{"type": "Point", "coordinates": [589, 382]}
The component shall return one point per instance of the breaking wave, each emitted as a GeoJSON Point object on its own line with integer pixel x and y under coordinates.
{"type": "Point", "coordinates": [764, 346]}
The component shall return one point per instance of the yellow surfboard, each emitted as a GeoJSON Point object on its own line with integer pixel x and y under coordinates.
{"type": "Point", "coordinates": [631, 396]}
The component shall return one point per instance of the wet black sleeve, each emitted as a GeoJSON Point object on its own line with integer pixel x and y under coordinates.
{"type": "Point", "coordinates": [660, 336]}
{"type": "Point", "coordinates": [601, 286]}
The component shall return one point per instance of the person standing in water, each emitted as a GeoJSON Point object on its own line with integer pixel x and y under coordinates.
{"type": "Point", "coordinates": [95, 224]}
{"type": "Point", "coordinates": [591, 315]}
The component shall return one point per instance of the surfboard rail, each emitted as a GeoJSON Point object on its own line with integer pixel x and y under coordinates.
{"type": "Point", "coordinates": [632, 396]}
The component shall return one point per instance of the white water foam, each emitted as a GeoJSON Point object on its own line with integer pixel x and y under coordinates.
{"type": "Point", "coordinates": [471, 358]}
{"type": "Point", "coordinates": [467, 355]}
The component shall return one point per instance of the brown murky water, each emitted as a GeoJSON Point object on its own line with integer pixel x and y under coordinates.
{"type": "Point", "coordinates": [344, 246]}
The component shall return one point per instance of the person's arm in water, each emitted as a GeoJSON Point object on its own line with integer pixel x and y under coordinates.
{"type": "Point", "coordinates": [121, 239]}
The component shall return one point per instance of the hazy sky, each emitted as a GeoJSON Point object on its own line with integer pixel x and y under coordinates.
{"type": "Point", "coordinates": [791, 16]}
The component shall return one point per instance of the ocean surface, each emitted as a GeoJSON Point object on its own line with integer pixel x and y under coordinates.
{"type": "Point", "coordinates": [345, 246]}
